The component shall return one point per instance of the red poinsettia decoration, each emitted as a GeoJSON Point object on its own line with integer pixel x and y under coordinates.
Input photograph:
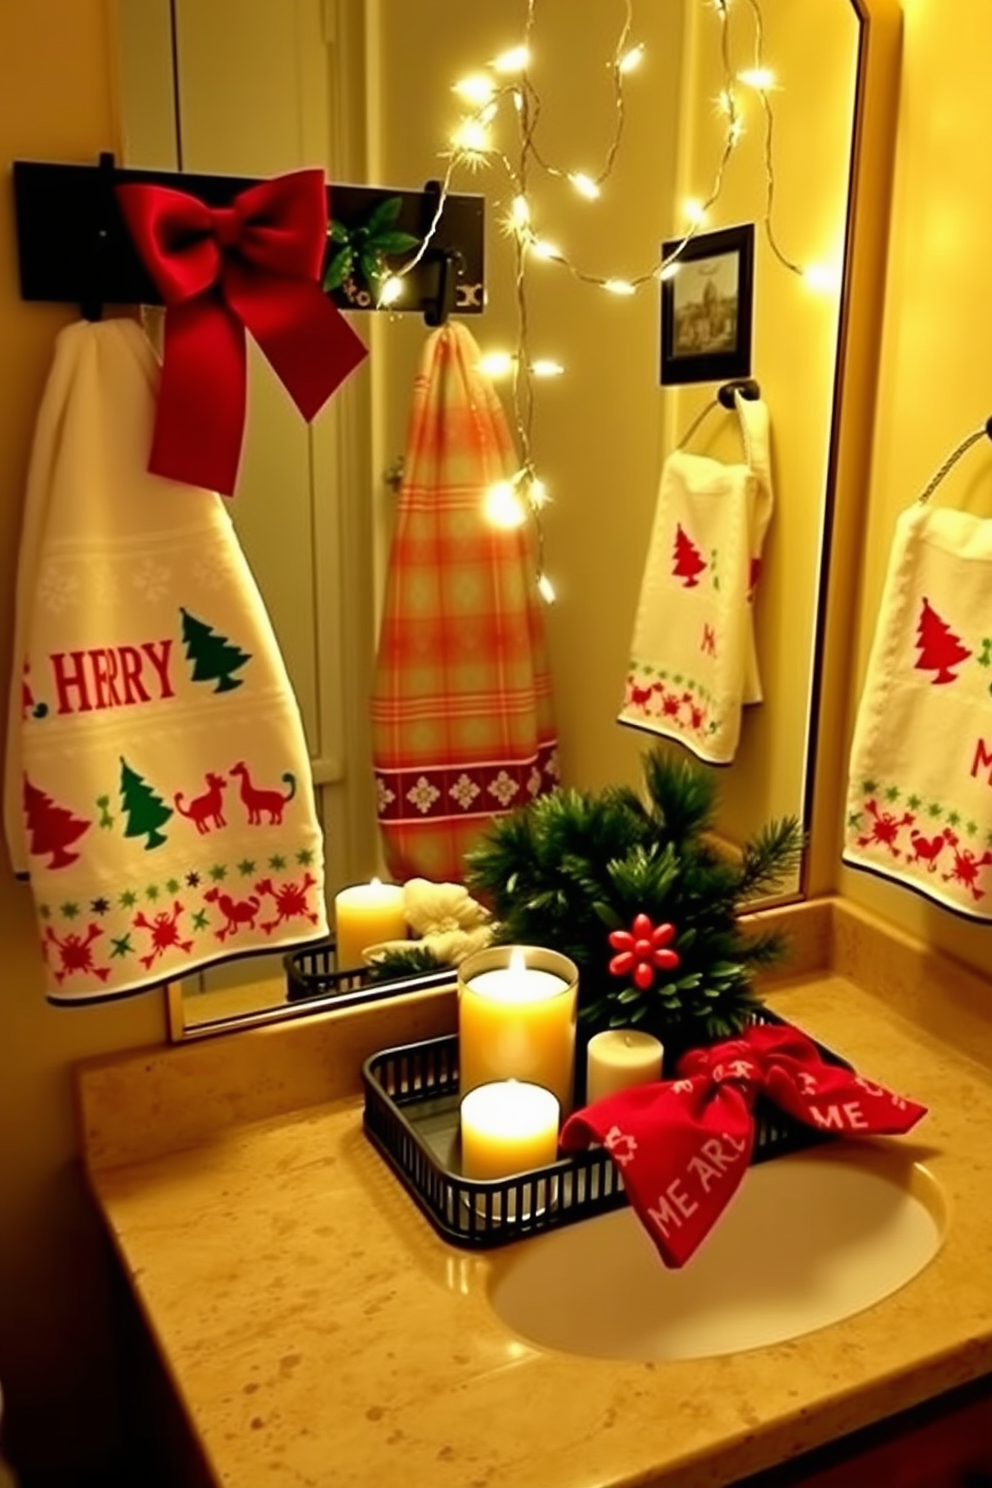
{"type": "Point", "coordinates": [643, 950]}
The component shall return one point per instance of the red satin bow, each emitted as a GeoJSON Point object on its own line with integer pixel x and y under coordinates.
{"type": "Point", "coordinates": [254, 265]}
{"type": "Point", "coordinates": [682, 1146]}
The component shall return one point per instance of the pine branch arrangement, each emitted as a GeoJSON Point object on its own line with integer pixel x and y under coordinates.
{"type": "Point", "coordinates": [635, 893]}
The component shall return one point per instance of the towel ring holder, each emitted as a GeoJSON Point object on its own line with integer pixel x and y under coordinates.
{"type": "Point", "coordinates": [985, 432]}
{"type": "Point", "coordinates": [726, 397]}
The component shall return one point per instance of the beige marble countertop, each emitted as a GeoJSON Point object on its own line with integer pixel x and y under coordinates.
{"type": "Point", "coordinates": [319, 1332]}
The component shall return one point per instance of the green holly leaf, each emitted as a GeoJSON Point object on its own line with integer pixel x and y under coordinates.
{"type": "Point", "coordinates": [629, 994]}
{"type": "Point", "coordinates": [337, 232]}
{"type": "Point", "coordinates": [394, 242]}
{"type": "Point", "coordinates": [384, 214]}
{"type": "Point", "coordinates": [339, 268]}
{"type": "Point", "coordinates": [373, 266]}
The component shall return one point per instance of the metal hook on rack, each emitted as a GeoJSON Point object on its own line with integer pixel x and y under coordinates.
{"type": "Point", "coordinates": [449, 261]}
{"type": "Point", "coordinates": [98, 240]}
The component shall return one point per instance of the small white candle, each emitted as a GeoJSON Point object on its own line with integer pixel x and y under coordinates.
{"type": "Point", "coordinates": [517, 1021]}
{"type": "Point", "coordinates": [363, 915]}
{"type": "Point", "coordinates": [508, 1127]}
{"type": "Point", "coordinates": [619, 1058]}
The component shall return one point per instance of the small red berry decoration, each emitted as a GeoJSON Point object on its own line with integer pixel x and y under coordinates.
{"type": "Point", "coordinates": [643, 949]}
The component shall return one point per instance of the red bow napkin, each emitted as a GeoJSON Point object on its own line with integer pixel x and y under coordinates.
{"type": "Point", "coordinates": [255, 264]}
{"type": "Point", "coordinates": [682, 1146]}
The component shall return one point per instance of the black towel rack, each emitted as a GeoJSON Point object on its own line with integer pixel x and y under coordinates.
{"type": "Point", "coordinates": [74, 247]}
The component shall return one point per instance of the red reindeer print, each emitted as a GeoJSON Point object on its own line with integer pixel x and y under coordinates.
{"type": "Point", "coordinates": [966, 870]}
{"type": "Point", "coordinates": [708, 644]}
{"type": "Point", "coordinates": [259, 802]}
{"type": "Point", "coordinates": [236, 912]}
{"type": "Point", "coordinates": [885, 828]}
{"type": "Point", "coordinates": [164, 930]}
{"type": "Point", "coordinates": [206, 810]}
{"type": "Point", "coordinates": [670, 704]}
{"type": "Point", "coordinates": [697, 716]}
{"type": "Point", "coordinates": [928, 849]}
{"type": "Point", "coordinates": [290, 901]}
{"type": "Point", "coordinates": [640, 697]}
{"type": "Point", "coordinates": [75, 954]}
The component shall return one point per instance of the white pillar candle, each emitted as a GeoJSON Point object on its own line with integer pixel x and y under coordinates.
{"type": "Point", "coordinates": [363, 915]}
{"type": "Point", "coordinates": [619, 1058]}
{"type": "Point", "coordinates": [516, 1019]}
{"type": "Point", "coordinates": [508, 1127]}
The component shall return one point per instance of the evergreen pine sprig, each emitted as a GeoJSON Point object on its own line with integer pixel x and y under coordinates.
{"type": "Point", "coordinates": [574, 866]}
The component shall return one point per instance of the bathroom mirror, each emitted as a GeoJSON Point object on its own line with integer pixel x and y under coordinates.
{"type": "Point", "coordinates": [256, 87]}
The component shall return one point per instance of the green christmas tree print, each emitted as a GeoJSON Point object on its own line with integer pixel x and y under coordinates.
{"type": "Point", "coordinates": [214, 657]}
{"type": "Point", "coordinates": [146, 811]}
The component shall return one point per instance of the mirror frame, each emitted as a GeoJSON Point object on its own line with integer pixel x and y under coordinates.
{"type": "Point", "coordinates": [851, 436]}
{"type": "Point", "coordinates": [848, 470]}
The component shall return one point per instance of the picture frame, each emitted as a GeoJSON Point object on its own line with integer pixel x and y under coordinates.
{"type": "Point", "coordinates": [707, 306]}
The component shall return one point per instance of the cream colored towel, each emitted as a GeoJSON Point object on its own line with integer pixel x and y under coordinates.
{"type": "Point", "coordinates": [919, 800]}
{"type": "Point", "coordinates": [693, 659]}
{"type": "Point", "coordinates": [157, 787]}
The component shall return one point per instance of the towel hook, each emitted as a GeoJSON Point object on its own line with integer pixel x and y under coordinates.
{"type": "Point", "coordinates": [985, 432]}
{"type": "Point", "coordinates": [98, 241]}
{"type": "Point", "coordinates": [725, 398]}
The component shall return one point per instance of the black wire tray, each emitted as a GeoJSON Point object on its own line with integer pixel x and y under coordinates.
{"type": "Point", "coordinates": [314, 972]}
{"type": "Point", "coordinates": [411, 1117]}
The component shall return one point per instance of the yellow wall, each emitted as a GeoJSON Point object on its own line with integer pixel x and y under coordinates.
{"type": "Point", "coordinates": [55, 104]}
{"type": "Point", "coordinates": [935, 382]}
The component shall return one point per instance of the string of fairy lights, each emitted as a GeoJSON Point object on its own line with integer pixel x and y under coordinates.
{"type": "Point", "coordinates": [505, 85]}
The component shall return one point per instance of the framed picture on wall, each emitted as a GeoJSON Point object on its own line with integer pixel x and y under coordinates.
{"type": "Point", "coordinates": [707, 295]}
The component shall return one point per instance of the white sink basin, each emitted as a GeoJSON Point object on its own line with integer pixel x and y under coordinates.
{"type": "Point", "coordinates": [807, 1240]}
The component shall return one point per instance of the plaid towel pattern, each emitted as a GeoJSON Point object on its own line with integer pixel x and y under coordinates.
{"type": "Point", "coordinates": [462, 717]}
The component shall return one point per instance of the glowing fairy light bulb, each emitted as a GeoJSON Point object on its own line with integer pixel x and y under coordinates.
{"type": "Point", "coordinates": [761, 78]}
{"type": "Point", "coordinates": [513, 60]}
{"type": "Point", "coordinates": [391, 290]}
{"type": "Point", "coordinates": [822, 277]}
{"type": "Point", "coordinates": [631, 59]}
{"type": "Point", "coordinates": [477, 89]}
{"type": "Point", "coordinates": [497, 363]}
{"type": "Point", "coordinates": [545, 367]}
{"type": "Point", "coordinates": [694, 212]}
{"type": "Point", "coordinates": [584, 185]}
{"type": "Point", "coordinates": [724, 102]}
{"type": "Point", "coordinates": [619, 287]}
{"type": "Point", "coordinates": [537, 493]}
{"type": "Point", "coordinates": [546, 589]}
{"type": "Point", "coordinates": [503, 507]}
{"type": "Point", "coordinates": [541, 248]}
{"type": "Point", "coordinates": [520, 212]}
{"type": "Point", "coordinates": [471, 138]}
{"type": "Point", "coordinates": [735, 131]}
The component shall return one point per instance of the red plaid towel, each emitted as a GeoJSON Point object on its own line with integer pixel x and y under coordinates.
{"type": "Point", "coordinates": [461, 708]}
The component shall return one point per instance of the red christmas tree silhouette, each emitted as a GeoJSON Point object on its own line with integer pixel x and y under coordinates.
{"type": "Point", "coordinates": [688, 561]}
{"type": "Point", "coordinates": [51, 827]}
{"type": "Point", "coordinates": [939, 648]}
